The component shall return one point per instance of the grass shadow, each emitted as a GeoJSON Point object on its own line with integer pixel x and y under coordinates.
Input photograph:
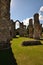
{"type": "Point", "coordinates": [7, 57]}
{"type": "Point", "coordinates": [41, 39]}
{"type": "Point", "coordinates": [31, 43]}
{"type": "Point", "coordinates": [16, 37]}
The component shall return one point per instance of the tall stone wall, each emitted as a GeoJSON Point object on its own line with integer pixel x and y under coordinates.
{"type": "Point", "coordinates": [37, 27]}
{"type": "Point", "coordinates": [16, 30]}
{"type": "Point", "coordinates": [13, 31]}
{"type": "Point", "coordinates": [30, 28]}
{"type": "Point", "coordinates": [22, 31]}
{"type": "Point", "coordinates": [5, 25]}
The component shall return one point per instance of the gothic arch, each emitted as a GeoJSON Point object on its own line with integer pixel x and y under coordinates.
{"type": "Point", "coordinates": [17, 21]}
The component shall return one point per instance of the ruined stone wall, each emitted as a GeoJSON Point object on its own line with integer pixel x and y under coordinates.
{"type": "Point", "coordinates": [13, 29]}
{"type": "Point", "coordinates": [37, 27]}
{"type": "Point", "coordinates": [30, 28]}
{"type": "Point", "coordinates": [23, 30]}
{"type": "Point", "coordinates": [16, 30]}
{"type": "Point", "coordinates": [5, 9]}
{"type": "Point", "coordinates": [5, 25]}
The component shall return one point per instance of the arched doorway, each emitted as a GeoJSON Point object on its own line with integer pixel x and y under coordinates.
{"type": "Point", "coordinates": [17, 27]}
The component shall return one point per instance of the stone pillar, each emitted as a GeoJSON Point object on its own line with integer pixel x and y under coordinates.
{"type": "Point", "coordinates": [37, 27]}
{"type": "Point", "coordinates": [24, 31]}
{"type": "Point", "coordinates": [5, 26]}
{"type": "Point", "coordinates": [13, 30]}
{"type": "Point", "coordinates": [30, 28]}
{"type": "Point", "coordinates": [21, 29]}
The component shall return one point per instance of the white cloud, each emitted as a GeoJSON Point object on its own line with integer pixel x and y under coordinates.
{"type": "Point", "coordinates": [26, 21]}
{"type": "Point", "coordinates": [17, 25]}
{"type": "Point", "coordinates": [40, 17]}
{"type": "Point", "coordinates": [12, 4]}
{"type": "Point", "coordinates": [42, 25]}
{"type": "Point", "coordinates": [40, 11]}
{"type": "Point", "coordinates": [41, 8]}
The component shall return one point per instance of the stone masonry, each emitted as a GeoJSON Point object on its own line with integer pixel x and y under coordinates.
{"type": "Point", "coordinates": [13, 32]}
{"type": "Point", "coordinates": [30, 28]}
{"type": "Point", "coordinates": [16, 30]}
{"type": "Point", "coordinates": [22, 31]}
{"type": "Point", "coordinates": [37, 27]}
{"type": "Point", "coordinates": [5, 26]}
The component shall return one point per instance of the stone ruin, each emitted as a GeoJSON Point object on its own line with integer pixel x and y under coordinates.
{"type": "Point", "coordinates": [35, 30]}
{"type": "Point", "coordinates": [30, 28]}
{"type": "Point", "coordinates": [5, 25]}
{"type": "Point", "coordinates": [37, 27]}
{"type": "Point", "coordinates": [13, 31]}
{"type": "Point", "coordinates": [16, 30]}
{"type": "Point", "coordinates": [21, 30]}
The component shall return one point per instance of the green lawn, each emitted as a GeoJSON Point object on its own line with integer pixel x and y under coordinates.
{"type": "Point", "coordinates": [27, 55]}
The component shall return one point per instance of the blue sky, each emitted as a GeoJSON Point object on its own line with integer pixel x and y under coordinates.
{"type": "Point", "coordinates": [24, 9]}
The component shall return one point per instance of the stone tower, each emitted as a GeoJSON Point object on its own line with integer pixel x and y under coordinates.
{"type": "Point", "coordinates": [5, 26]}
{"type": "Point", "coordinates": [37, 27]}
{"type": "Point", "coordinates": [31, 28]}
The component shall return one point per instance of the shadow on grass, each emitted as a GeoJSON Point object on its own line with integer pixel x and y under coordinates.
{"type": "Point", "coordinates": [31, 43]}
{"type": "Point", "coordinates": [7, 57]}
{"type": "Point", "coordinates": [15, 37]}
{"type": "Point", "coordinates": [41, 39]}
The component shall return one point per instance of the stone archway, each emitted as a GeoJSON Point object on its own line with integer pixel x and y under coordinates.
{"type": "Point", "coordinates": [17, 27]}
{"type": "Point", "coordinates": [17, 24]}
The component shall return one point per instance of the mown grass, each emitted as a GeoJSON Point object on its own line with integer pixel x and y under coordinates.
{"type": "Point", "coordinates": [27, 55]}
